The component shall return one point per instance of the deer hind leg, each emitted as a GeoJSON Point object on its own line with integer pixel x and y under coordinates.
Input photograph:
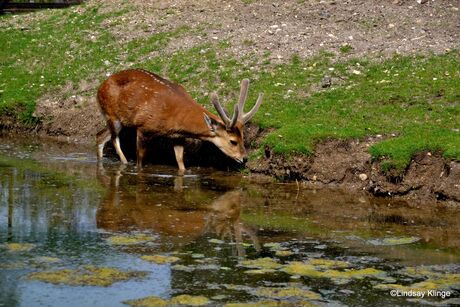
{"type": "Point", "coordinates": [179, 152]}
{"type": "Point", "coordinates": [102, 138]}
{"type": "Point", "coordinates": [140, 148]}
{"type": "Point", "coordinates": [115, 128]}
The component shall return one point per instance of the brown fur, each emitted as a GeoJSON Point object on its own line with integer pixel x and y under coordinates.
{"type": "Point", "coordinates": [153, 105]}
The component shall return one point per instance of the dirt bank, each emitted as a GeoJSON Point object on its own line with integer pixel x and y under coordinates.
{"type": "Point", "coordinates": [428, 178]}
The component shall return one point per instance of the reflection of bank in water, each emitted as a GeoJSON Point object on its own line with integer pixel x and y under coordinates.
{"type": "Point", "coordinates": [162, 205]}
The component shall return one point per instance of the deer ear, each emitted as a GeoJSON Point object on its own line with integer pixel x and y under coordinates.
{"type": "Point", "coordinates": [211, 123]}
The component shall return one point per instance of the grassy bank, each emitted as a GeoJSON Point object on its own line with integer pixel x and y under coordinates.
{"type": "Point", "coordinates": [412, 101]}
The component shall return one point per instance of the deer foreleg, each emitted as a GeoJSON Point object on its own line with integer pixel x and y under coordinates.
{"type": "Point", "coordinates": [140, 148]}
{"type": "Point", "coordinates": [179, 151]}
{"type": "Point", "coordinates": [115, 128]}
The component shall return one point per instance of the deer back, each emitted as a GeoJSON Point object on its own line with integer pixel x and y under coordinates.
{"type": "Point", "coordinates": [137, 98]}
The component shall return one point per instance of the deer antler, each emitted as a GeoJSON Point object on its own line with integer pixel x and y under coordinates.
{"type": "Point", "coordinates": [238, 113]}
{"type": "Point", "coordinates": [245, 117]}
{"type": "Point", "coordinates": [223, 114]}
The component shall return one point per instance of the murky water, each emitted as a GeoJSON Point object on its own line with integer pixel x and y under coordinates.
{"type": "Point", "coordinates": [73, 233]}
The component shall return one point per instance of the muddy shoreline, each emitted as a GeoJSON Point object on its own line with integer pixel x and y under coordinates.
{"type": "Point", "coordinates": [429, 179]}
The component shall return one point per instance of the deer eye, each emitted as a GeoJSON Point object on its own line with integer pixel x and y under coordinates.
{"type": "Point", "coordinates": [234, 143]}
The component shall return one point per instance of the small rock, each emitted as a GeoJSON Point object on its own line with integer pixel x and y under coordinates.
{"type": "Point", "coordinates": [363, 177]}
{"type": "Point", "coordinates": [326, 82]}
{"type": "Point", "coordinates": [422, 1]}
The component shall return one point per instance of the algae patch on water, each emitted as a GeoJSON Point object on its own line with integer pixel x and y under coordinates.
{"type": "Point", "coordinates": [434, 280]}
{"type": "Point", "coordinates": [160, 259]}
{"type": "Point", "coordinates": [130, 239]}
{"type": "Point", "coordinates": [283, 253]}
{"type": "Point", "coordinates": [154, 301]}
{"type": "Point", "coordinates": [216, 241]}
{"type": "Point", "coordinates": [149, 301]}
{"type": "Point", "coordinates": [261, 263]}
{"type": "Point", "coordinates": [394, 241]}
{"type": "Point", "coordinates": [288, 292]}
{"type": "Point", "coordinates": [322, 268]}
{"type": "Point", "coordinates": [19, 247]}
{"type": "Point", "coordinates": [190, 300]}
{"type": "Point", "coordinates": [327, 263]}
{"type": "Point", "coordinates": [260, 271]}
{"type": "Point", "coordinates": [46, 259]}
{"type": "Point", "coordinates": [85, 276]}
{"type": "Point", "coordinates": [269, 303]}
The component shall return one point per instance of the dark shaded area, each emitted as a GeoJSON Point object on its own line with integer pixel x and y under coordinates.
{"type": "Point", "coordinates": [18, 6]}
{"type": "Point", "coordinates": [160, 151]}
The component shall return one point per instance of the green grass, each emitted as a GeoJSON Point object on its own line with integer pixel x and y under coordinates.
{"type": "Point", "coordinates": [415, 98]}
{"type": "Point", "coordinates": [67, 46]}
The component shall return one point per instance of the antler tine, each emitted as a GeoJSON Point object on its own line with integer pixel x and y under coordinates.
{"type": "Point", "coordinates": [243, 95]}
{"type": "Point", "coordinates": [246, 117]}
{"type": "Point", "coordinates": [220, 110]}
{"type": "Point", "coordinates": [236, 112]}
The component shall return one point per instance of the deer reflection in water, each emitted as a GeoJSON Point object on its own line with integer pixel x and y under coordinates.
{"type": "Point", "coordinates": [179, 215]}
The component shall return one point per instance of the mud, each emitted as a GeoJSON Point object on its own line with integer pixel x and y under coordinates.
{"type": "Point", "coordinates": [429, 178]}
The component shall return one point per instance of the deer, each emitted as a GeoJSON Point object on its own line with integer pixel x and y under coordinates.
{"type": "Point", "coordinates": [155, 106]}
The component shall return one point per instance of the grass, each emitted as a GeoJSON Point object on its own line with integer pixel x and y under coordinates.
{"type": "Point", "coordinates": [66, 46]}
{"type": "Point", "coordinates": [415, 98]}
{"type": "Point", "coordinates": [413, 101]}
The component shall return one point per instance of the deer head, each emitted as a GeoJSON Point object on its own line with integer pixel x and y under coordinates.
{"type": "Point", "coordinates": [228, 135]}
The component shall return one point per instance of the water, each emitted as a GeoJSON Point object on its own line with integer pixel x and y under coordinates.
{"type": "Point", "coordinates": [236, 239]}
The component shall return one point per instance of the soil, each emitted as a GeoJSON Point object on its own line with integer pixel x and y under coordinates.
{"type": "Point", "coordinates": [373, 29]}
{"type": "Point", "coordinates": [429, 177]}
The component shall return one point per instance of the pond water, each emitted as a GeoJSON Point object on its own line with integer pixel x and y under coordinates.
{"type": "Point", "coordinates": [75, 233]}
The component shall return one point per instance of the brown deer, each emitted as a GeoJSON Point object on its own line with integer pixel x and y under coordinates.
{"type": "Point", "coordinates": [157, 107]}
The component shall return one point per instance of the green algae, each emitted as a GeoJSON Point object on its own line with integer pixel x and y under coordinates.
{"type": "Point", "coordinates": [302, 269]}
{"type": "Point", "coordinates": [85, 276]}
{"type": "Point", "coordinates": [16, 265]}
{"type": "Point", "coordinates": [260, 271]}
{"type": "Point", "coordinates": [394, 241]}
{"type": "Point", "coordinates": [269, 303]}
{"type": "Point", "coordinates": [198, 256]}
{"type": "Point", "coordinates": [261, 263]}
{"type": "Point", "coordinates": [287, 292]}
{"type": "Point", "coordinates": [273, 246]}
{"type": "Point", "coordinates": [327, 263]}
{"type": "Point", "coordinates": [154, 301]}
{"type": "Point", "coordinates": [130, 239]}
{"type": "Point", "coordinates": [339, 277]}
{"type": "Point", "coordinates": [149, 301]}
{"type": "Point", "coordinates": [283, 253]}
{"type": "Point", "coordinates": [434, 280]}
{"type": "Point", "coordinates": [19, 247]}
{"type": "Point", "coordinates": [46, 259]}
{"type": "Point", "coordinates": [184, 268]}
{"type": "Point", "coordinates": [190, 300]}
{"type": "Point", "coordinates": [160, 259]}
{"type": "Point", "coordinates": [314, 267]}
{"type": "Point", "coordinates": [216, 241]}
